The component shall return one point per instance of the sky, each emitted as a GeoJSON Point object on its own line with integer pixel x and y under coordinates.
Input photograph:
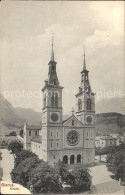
{"type": "Point", "coordinates": [27, 30]}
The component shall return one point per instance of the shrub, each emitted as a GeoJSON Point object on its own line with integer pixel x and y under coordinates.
{"type": "Point", "coordinates": [103, 151]}
{"type": "Point", "coordinates": [62, 169]}
{"type": "Point", "coordinates": [13, 133]}
{"type": "Point", "coordinates": [15, 146]}
{"type": "Point", "coordinates": [116, 161]}
{"type": "Point", "coordinates": [79, 179]}
{"type": "Point", "coordinates": [21, 173]}
{"type": "Point", "coordinates": [3, 143]}
{"type": "Point", "coordinates": [22, 155]}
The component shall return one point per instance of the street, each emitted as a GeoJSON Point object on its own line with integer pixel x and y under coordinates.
{"type": "Point", "coordinates": [103, 183]}
{"type": "Point", "coordinates": [7, 186]}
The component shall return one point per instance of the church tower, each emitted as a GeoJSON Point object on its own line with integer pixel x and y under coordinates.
{"type": "Point", "coordinates": [52, 115]}
{"type": "Point", "coordinates": [85, 112]}
{"type": "Point", "coordinates": [85, 106]}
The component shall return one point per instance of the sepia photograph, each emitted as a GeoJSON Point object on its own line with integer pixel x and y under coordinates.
{"type": "Point", "coordinates": [62, 97]}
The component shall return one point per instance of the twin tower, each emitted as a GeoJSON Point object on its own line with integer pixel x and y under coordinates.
{"type": "Point", "coordinates": [72, 140]}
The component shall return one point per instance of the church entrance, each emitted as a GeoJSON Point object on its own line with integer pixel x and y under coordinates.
{"type": "Point", "coordinates": [72, 159]}
{"type": "Point", "coordinates": [65, 159]}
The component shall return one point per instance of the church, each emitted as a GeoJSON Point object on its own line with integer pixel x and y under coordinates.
{"type": "Point", "coordinates": [73, 140]}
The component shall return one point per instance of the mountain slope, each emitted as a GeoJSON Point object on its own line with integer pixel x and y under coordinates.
{"type": "Point", "coordinates": [30, 116]}
{"type": "Point", "coordinates": [116, 104]}
{"type": "Point", "coordinates": [8, 114]}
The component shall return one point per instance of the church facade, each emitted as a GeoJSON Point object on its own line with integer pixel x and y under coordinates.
{"type": "Point", "coordinates": [72, 140]}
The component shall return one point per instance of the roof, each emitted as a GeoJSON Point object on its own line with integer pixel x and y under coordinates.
{"type": "Point", "coordinates": [107, 137]}
{"type": "Point", "coordinates": [34, 127]}
{"type": "Point", "coordinates": [37, 139]}
{"type": "Point", "coordinates": [71, 117]}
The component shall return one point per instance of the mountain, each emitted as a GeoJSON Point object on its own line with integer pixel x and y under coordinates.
{"type": "Point", "coordinates": [116, 104]}
{"type": "Point", "coordinates": [29, 115]}
{"type": "Point", "coordinates": [111, 122]}
{"type": "Point", "coordinates": [13, 119]}
{"type": "Point", "coordinates": [9, 119]}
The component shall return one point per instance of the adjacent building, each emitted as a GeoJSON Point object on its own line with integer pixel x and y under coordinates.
{"type": "Point", "coordinates": [105, 141]}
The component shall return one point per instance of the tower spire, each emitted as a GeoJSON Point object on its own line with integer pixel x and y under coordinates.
{"type": "Point", "coordinates": [52, 53]}
{"type": "Point", "coordinates": [84, 63]}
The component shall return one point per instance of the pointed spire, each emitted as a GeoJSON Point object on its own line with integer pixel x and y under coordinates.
{"type": "Point", "coordinates": [72, 111]}
{"type": "Point", "coordinates": [84, 63]}
{"type": "Point", "coordinates": [52, 53]}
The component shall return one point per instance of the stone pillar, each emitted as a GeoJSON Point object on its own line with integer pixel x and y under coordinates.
{"type": "Point", "coordinates": [81, 160]}
{"type": "Point", "coordinates": [75, 160]}
{"type": "Point", "coordinates": [68, 160]}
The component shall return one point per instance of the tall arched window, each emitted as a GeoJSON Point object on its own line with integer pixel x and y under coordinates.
{"type": "Point", "coordinates": [65, 159]}
{"type": "Point", "coordinates": [52, 99]}
{"type": "Point", "coordinates": [56, 99]}
{"type": "Point", "coordinates": [88, 104]}
{"type": "Point", "coordinates": [78, 158]}
{"type": "Point", "coordinates": [72, 159]}
{"type": "Point", "coordinates": [79, 105]}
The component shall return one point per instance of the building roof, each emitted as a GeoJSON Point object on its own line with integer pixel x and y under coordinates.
{"type": "Point", "coordinates": [71, 117]}
{"type": "Point", "coordinates": [34, 127]}
{"type": "Point", "coordinates": [108, 138]}
{"type": "Point", "coordinates": [37, 139]}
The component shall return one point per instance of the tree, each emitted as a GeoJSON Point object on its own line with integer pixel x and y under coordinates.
{"type": "Point", "coordinates": [21, 173]}
{"type": "Point", "coordinates": [15, 146]}
{"type": "Point", "coordinates": [62, 170]}
{"type": "Point", "coordinates": [45, 178]}
{"type": "Point", "coordinates": [116, 161]}
{"type": "Point", "coordinates": [3, 143]}
{"type": "Point", "coordinates": [79, 179]}
{"type": "Point", "coordinates": [22, 155]}
{"type": "Point", "coordinates": [13, 133]}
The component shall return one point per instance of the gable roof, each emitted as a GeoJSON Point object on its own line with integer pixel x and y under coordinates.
{"type": "Point", "coordinates": [33, 127]}
{"type": "Point", "coordinates": [75, 119]}
{"type": "Point", "coordinates": [108, 138]}
{"type": "Point", "coordinates": [37, 139]}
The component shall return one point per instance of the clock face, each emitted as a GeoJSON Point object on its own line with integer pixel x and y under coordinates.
{"type": "Point", "coordinates": [54, 117]}
{"type": "Point", "coordinates": [89, 119]}
{"type": "Point", "coordinates": [73, 138]}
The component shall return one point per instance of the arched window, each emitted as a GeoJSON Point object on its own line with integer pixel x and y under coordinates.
{"type": "Point", "coordinates": [78, 158]}
{"type": "Point", "coordinates": [72, 159]}
{"type": "Point", "coordinates": [79, 105]}
{"type": "Point", "coordinates": [65, 159]}
{"type": "Point", "coordinates": [88, 104]}
{"type": "Point", "coordinates": [56, 99]}
{"type": "Point", "coordinates": [52, 99]}
{"type": "Point", "coordinates": [52, 69]}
